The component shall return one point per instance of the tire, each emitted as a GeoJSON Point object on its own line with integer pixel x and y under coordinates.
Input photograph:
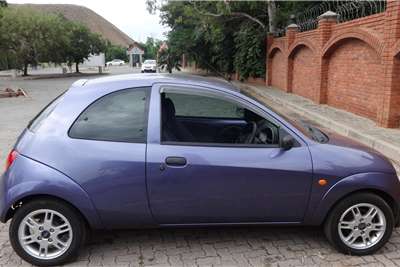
{"type": "Point", "coordinates": [359, 238]}
{"type": "Point", "coordinates": [69, 240]}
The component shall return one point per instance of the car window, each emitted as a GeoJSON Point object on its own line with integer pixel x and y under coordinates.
{"type": "Point", "coordinates": [203, 106]}
{"type": "Point", "coordinates": [304, 127]}
{"type": "Point", "coordinates": [120, 116]}
{"type": "Point", "coordinates": [213, 120]}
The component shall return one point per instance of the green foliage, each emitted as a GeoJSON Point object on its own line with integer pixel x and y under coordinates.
{"type": "Point", "coordinates": [210, 40]}
{"type": "Point", "coordinates": [250, 50]}
{"type": "Point", "coordinates": [288, 8]}
{"type": "Point", "coordinates": [224, 36]}
{"type": "Point", "coordinates": [3, 3]}
{"type": "Point", "coordinates": [151, 48]}
{"type": "Point", "coordinates": [169, 60]}
{"type": "Point", "coordinates": [81, 43]}
{"type": "Point", "coordinates": [28, 37]}
{"type": "Point", "coordinates": [115, 52]}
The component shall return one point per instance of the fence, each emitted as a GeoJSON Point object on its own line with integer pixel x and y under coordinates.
{"type": "Point", "coordinates": [349, 59]}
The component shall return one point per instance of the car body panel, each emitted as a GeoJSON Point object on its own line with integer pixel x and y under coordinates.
{"type": "Point", "coordinates": [27, 177]}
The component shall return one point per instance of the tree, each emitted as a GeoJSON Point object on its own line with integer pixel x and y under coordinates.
{"type": "Point", "coordinates": [115, 52]}
{"type": "Point", "coordinates": [150, 48]}
{"type": "Point", "coordinates": [28, 36]}
{"type": "Point", "coordinates": [168, 59]}
{"type": "Point", "coordinates": [225, 36]}
{"type": "Point", "coordinates": [250, 48]}
{"type": "Point", "coordinates": [3, 3]}
{"type": "Point", "coordinates": [81, 44]}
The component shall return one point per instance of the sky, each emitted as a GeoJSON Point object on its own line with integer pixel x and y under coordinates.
{"type": "Point", "coordinates": [130, 16]}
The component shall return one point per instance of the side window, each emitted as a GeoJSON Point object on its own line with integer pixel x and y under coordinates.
{"type": "Point", "coordinates": [211, 119]}
{"type": "Point", "coordinates": [120, 116]}
{"type": "Point", "coordinates": [204, 106]}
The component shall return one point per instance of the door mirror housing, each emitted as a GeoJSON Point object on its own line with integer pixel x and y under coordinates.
{"type": "Point", "coordinates": [287, 142]}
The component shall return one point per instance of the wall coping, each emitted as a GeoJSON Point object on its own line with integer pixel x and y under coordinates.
{"type": "Point", "coordinates": [328, 15]}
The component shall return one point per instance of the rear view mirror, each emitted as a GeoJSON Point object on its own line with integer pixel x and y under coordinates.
{"type": "Point", "coordinates": [287, 142]}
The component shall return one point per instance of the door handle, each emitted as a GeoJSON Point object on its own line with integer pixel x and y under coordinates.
{"type": "Point", "coordinates": [175, 161]}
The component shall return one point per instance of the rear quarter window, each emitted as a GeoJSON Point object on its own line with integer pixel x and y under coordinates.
{"type": "Point", "coordinates": [120, 117]}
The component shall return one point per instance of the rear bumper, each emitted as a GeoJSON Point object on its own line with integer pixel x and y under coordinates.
{"type": "Point", "coordinates": [3, 202]}
{"type": "Point", "coordinates": [149, 71]}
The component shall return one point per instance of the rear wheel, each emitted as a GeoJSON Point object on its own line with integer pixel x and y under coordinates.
{"type": "Point", "coordinates": [360, 224]}
{"type": "Point", "coordinates": [47, 232]}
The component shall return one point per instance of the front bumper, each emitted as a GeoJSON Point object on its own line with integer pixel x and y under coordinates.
{"type": "Point", "coordinates": [149, 70]}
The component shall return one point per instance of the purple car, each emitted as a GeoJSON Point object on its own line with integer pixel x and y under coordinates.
{"type": "Point", "coordinates": [135, 151]}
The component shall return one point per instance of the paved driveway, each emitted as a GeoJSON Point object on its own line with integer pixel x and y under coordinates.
{"type": "Point", "coordinates": [244, 246]}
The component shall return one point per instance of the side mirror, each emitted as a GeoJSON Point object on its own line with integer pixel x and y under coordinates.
{"type": "Point", "coordinates": [287, 142]}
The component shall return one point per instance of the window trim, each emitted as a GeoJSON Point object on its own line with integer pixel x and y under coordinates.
{"type": "Point", "coordinates": [145, 89]}
{"type": "Point", "coordinates": [207, 92]}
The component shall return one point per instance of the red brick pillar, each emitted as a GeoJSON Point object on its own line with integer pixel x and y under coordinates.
{"type": "Point", "coordinates": [268, 74]}
{"type": "Point", "coordinates": [389, 108]}
{"type": "Point", "coordinates": [325, 23]}
{"type": "Point", "coordinates": [291, 31]}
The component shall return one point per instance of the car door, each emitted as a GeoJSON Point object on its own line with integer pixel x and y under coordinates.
{"type": "Point", "coordinates": [197, 183]}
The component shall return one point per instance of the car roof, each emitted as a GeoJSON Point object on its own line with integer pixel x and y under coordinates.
{"type": "Point", "coordinates": [147, 80]}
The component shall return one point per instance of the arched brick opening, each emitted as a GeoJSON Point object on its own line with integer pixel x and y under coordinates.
{"type": "Point", "coordinates": [277, 68]}
{"type": "Point", "coordinates": [303, 71]}
{"type": "Point", "coordinates": [354, 77]}
{"type": "Point", "coordinates": [395, 103]}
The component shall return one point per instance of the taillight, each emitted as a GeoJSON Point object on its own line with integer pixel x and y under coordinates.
{"type": "Point", "coordinates": [10, 158]}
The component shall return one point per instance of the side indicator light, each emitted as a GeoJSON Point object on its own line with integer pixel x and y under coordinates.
{"type": "Point", "coordinates": [322, 182]}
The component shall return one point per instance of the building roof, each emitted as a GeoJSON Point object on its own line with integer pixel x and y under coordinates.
{"type": "Point", "coordinates": [87, 17]}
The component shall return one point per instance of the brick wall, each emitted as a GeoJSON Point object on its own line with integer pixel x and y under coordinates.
{"type": "Point", "coordinates": [353, 66]}
{"type": "Point", "coordinates": [277, 68]}
{"type": "Point", "coordinates": [304, 68]}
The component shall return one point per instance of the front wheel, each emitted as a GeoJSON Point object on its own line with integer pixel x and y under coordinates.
{"type": "Point", "coordinates": [47, 232]}
{"type": "Point", "coordinates": [360, 224]}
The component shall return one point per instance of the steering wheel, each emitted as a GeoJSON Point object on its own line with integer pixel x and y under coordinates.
{"type": "Point", "coordinates": [267, 133]}
{"type": "Point", "coordinates": [248, 138]}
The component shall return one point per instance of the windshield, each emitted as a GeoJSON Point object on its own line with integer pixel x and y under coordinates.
{"type": "Point", "coordinates": [306, 128]}
{"type": "Point", "coordinates": [149, 62]}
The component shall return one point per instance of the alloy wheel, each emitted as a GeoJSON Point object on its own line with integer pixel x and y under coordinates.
{"type": "Point", "coordinates": [362, 226]}
{"type": "Point", "coordinates": [45, 234]}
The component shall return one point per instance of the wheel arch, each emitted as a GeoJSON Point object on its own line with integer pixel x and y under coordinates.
{"type": "Point", "coordinates": [43, 181]}
{"type": "Point", "coordinates": [385, 185]}
{"type": "Point", "coordinates": [29, 198]}
{"type": "Point", "coordinates": [384, 195]}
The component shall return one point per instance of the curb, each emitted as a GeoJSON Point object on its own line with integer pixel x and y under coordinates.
{"type": "Point", "coordinates": [388, 149]}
